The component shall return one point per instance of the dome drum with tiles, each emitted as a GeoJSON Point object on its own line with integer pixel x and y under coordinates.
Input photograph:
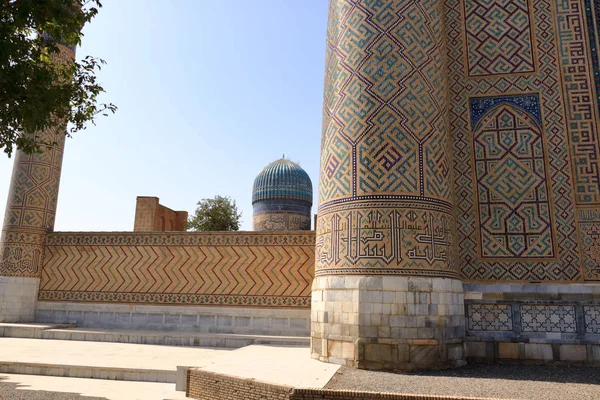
{"type": "Point", "coordinates": [282, 198]}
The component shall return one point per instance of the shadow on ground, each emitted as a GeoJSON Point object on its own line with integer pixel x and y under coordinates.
{"type": "Point", "coordinates": [15, 391]}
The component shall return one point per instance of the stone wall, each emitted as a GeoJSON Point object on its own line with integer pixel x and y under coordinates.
{"type": "Point", "coordinates": [183, 318]}
{"type": "Point", "coordinates": [244, 269]}
{"type": "Point", "coordinates": [544, 323]}
{"type": "Point", "coordinates": [401, 323]}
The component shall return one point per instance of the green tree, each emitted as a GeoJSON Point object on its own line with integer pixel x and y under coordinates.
{"type": "Point", "coordinates": [218, 214]}
{"type": "Point", "coordinates": [35, 89]}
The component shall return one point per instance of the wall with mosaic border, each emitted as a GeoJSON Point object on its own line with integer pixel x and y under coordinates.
{"type": "Point", "coordinates": [247, 269]}
{"type": "Point", "coordinates": [524, 126]}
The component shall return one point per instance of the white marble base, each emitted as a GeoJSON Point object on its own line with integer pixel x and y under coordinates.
{"type": "Point", "coordinates": [18, 298]}
{"type": "Point", "coordinates": [388, 322]}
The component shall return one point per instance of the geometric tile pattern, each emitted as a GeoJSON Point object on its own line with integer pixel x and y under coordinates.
{"type": "Point", "coordinates": [498, 37]}
{"type": "Point", "coordinates": [592, 14]}
{"type": "Point", "coordinates": [592, 319]}
{"type": "Point", "coordinates": [589, 228]}
{"type": "Point", "coordinates": [489, 317]}
{"type": "Point", "coordinates": [384, 151]}
{"type": "Point", "coordinates": [32, 198]}
{"type": "Point", "coordinates": [512, 190]}
{"type": "Point", "coordinates": [581, 102]}
{"type": "Point", "coordinates": [544, 81]}
{"type": "Point", "coordinates": [548, 318]}
{"type": "Point", "coordinates": [241, 269]}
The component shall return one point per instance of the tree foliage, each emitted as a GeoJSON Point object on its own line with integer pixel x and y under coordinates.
{"type": "Point", "coordinates": [35, 90]}
{"type": "Point", "coordinates": [218, 214]}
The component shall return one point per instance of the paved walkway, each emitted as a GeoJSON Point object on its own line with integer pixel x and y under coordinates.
{"type": "Point", "coordinates": [277, 364]}
{"type": "Point", "coordinates": [32, 387]}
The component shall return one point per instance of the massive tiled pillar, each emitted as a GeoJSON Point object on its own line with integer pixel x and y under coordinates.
{"type": "Point", "coordinates": [387, 293]}
{"type": "Point", "coordinates": [30, 211]}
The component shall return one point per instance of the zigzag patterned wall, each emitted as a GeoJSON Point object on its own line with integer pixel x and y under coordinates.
{"type": "Point", "coordinates": [229, 269]}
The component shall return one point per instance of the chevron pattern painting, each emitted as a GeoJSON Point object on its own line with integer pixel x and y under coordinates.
{"type": "Point", "coordinates": [32, 198]}
{"type": "Point", "coordinates": [498, 37]}
{"type": "Point", "coordinates": [512, 190]}
{"type": "Point", "coordinates": [563, 262]}
{"type": "Point", "coordinates": [384, 150]}
{"type": "Point", "coordinates": [229, 269]}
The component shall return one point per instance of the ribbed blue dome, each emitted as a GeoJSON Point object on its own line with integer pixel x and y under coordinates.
{"type": "Point", "coordinates": [282, 179]}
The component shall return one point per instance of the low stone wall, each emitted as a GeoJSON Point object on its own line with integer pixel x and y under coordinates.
{"type": "Point", "coordinates": [205, 385]}
{"type": "Point", "coordinates": [209, 319]}
{"type": "Point", "coordinates": [541, 323]}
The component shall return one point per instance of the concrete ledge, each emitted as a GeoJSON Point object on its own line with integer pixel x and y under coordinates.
{"type": "Point", "coordinates": [83, 371]}
{"type": "Point", "coordinates": [188, 318]}
{"type": "Point", "coordinates": [529, 352]}
{"type": "Point", "coordinates": [204, 385]}
{"type": "Point", "coordinates": [230, 341]}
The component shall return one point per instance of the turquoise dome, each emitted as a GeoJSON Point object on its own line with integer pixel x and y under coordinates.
{"type": "Point", "coordinates": [282, 180]}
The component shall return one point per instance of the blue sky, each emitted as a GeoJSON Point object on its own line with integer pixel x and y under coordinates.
{"type": "Point", "coordinates": [209, 92]}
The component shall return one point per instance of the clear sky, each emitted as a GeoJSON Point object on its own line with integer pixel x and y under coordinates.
{"type": "Point", "coordinates": [209, 92]}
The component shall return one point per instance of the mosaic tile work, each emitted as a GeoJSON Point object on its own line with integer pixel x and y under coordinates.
{"type": "Point", "coordinates": [563, 262]}
{"type": "Point", "coordinates": [418, 238]}
{"type": "Point", "coordinates": [512, 191]}
{"type": "Point", "coordinates": [32, 198]}
{"type": "Point", "coordinates": [578, 78]}
{"type": "Point", "coordinates": [498, 37]}
{"type": "Point", "coordinates": [489, 317]}
{"type": "Point", "coordinates": [589, 229]}
{"type": "Point", "coordinates": [592, 14]}
{"type": "Point", "coordinates": [592, 319]}
{"type": "Point", "coordinates": [548, 318]}
{"type": "Point", "coordinates": [229, 269]}
{"type": "Point", "coordinates": [384, 156]}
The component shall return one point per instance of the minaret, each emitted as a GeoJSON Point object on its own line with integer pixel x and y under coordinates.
{"type": "Point", "coordinates": [30, 212]}
{"type": "Point", "coordinates": [387, 294]}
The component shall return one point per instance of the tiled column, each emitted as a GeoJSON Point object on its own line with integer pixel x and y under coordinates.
{"type": "Point", "coordinates": [387, 294]}
{"type": "Point", "coordinates": [30, 212]}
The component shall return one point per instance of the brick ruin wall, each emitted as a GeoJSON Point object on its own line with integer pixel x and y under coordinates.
{"type": "Point", "coordinates": [205, 385]}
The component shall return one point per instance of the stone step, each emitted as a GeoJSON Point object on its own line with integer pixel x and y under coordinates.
{"type": "Point", "coordinates": [70, 332]}
{"type": "Point", "coordinates": [87, 371]}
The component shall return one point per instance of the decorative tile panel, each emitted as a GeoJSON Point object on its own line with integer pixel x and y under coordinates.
{"type": "Point", "coordinates": [498, 37]}
{"type": "Point", "coordinates": [592, 319]}
{"type": "Point", "coordinates": [548, 318]}
{"type": "Point", "coordinates": [377, 240]}
{"type": "Point", "coordinates": [589, 228]}
{"type": "Point", "coordinates": [386, 203]}
{"type": "Point", "coordinates": [510, 173]}
{"type": "Point", "coordinates": [563, 262]}
{"type": "Point", "coordinates": [489, 317]}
